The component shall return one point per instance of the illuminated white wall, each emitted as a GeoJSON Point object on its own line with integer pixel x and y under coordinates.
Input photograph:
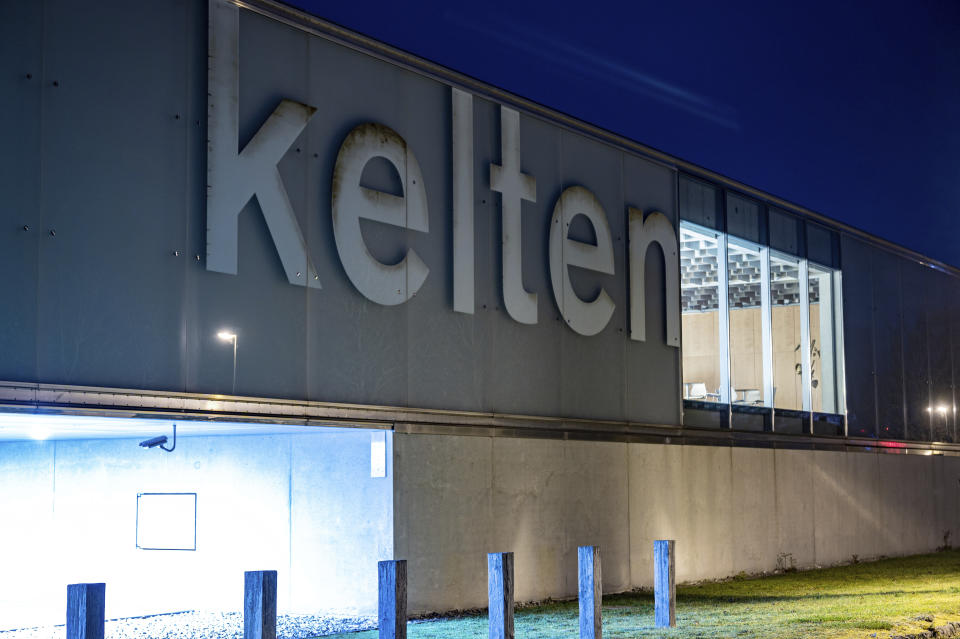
{"type": "Point", "coordinates": [304, 505]}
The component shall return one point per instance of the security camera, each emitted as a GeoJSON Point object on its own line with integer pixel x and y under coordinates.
{"type": "Point", "coordinates": [154, 441]}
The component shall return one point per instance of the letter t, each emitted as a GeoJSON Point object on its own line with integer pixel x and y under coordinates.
{"type": "Point", "coordinates": [513, 187]}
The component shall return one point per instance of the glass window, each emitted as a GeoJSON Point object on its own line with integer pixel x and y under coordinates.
{"type": "Point", "coordinates": [700, 269]}
{"type": "Point", "coordinates": [789, 339]}
{"type": "Point", "coordinates": [825, 378]}
{"type": "Point", "coordinates": [745, 295]}
{"type": "Point", "coordinates": [761, 325]}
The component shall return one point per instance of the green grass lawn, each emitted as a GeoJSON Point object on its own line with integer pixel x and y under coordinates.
{"type": "Point", "coordinates": [860, 600]}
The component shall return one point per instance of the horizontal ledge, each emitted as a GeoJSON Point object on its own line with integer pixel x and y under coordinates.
{"type": "Point", "coordinates": [118, 402]}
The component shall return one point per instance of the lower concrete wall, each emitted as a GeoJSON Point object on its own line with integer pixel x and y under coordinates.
{"type": "Point", "coordinates": [729, 509]}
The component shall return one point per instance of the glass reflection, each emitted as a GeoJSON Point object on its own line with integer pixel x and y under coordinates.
{"type": "Point", "coordinates": [700, 313]}
{"type": "Point", "coordinates": [788, 335]}
{"type": "Point", "coordinates": [744, 268]}
{"type": "Point", "coordinates": [760, 330]}
{"type": "Point", "coordinates": [825, 391]}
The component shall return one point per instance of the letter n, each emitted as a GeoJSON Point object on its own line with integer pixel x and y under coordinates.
{"type": "Point", "coordinates": [656, 228]}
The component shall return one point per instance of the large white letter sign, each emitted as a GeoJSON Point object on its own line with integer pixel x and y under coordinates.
{"type": "Point", "coordinates": [586, 318]}
{"type": "Point", "coordinates": [656, 228]}
{"type": "Point", "coordinates": [513, 187]}
{"type": "Point", "coordinates": [386, 284]}
{"type": "Point", "coordinates": [463, 261]}
{"type": "Point", "coordinates": [233, 178]}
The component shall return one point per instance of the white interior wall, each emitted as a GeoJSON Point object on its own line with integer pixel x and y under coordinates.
{"type": "Point", "coordinates": [304, 505]}
{"type": "Point", "coordinates": [701, 352]}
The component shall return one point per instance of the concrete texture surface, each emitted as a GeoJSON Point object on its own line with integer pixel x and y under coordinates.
{"type": "Point", "coordinates": [730, 510]}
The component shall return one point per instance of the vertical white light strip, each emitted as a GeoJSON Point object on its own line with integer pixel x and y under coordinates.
{"type": "Point", "coordinates": [463, 260]}
{"type": "Point", "coordinates": [828, 362]}
{"type": "Point", "coordinates": [841, 382]}
{"type": "Point", "coordinates": [805, 375]}
{"type": "Point", "coordinates": [766, 326]}
{"type": "Point", "coordinates": [378, 454]}
{"type": "Point", "coordinates": [723, 319]}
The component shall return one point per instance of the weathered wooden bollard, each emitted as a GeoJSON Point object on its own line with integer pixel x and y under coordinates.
{"type": "Point", "coordinates": [591, 592]}
{"type": "Point", "coordinates": [664, 584]}
{"type": "Point", "coordinates": [500, 594]}
{"type": "Point", "coordinates": [86, 604]}
{"type": "Point", "coordinates": [260, 604]}
{"type": "Point", "coordinates": [392, 600]}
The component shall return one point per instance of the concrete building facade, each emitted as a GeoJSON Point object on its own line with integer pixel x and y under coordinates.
{"type": "Point", "coordinates": [395, 312]}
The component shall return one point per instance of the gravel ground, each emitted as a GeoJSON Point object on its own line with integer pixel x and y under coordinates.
{"type": "Point", "coordinates": [206, 625]}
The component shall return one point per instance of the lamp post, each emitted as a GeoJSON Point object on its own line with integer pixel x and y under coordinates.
{"type": "Point", "coordinates": [228, 336]}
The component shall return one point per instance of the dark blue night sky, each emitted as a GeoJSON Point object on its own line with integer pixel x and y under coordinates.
{"type": "Point", "coordinates": [850, 109]}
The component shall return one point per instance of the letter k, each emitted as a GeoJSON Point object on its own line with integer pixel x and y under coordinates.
{"type": "Point", "coordinates": [234, 177]}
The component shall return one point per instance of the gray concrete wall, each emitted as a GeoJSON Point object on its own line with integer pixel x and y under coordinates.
{"type": "Point", "coordinates": [304, 505]}
{"type": "Point", "coordinates": [729, 509]}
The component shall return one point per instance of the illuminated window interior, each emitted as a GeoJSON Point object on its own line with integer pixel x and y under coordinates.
{"type": "Point", "coordinates": [760, 328]}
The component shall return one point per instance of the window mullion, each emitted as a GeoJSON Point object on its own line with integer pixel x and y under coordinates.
{"type": "Point", "coordinates": [723, 308]}
{"type": "Point", "coordinates": [766, 326]}
{"type": "Point", "coordinates": [840, 380]}
{"type": "Point", "coordinates": [805, 385]}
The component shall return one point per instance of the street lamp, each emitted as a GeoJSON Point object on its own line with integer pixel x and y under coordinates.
{"type": "Point", "coordinates": [942, 409]}
{"type": "Point", "coordinates": [227, 336]}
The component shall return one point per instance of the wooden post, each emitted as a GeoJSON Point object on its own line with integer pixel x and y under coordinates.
{"type": "Point", "coordinates": [664, 583]}
{"type": "Point", "coordinates": [500, 594]}
{"type": "Point", "coordinates": [85, 611]}
{"type": "Point", "coordinates": [260, 604]}
{"type": "Point", "coordinates": [392, 613]}
{"type": "Point", "coordinates": [591, 592]}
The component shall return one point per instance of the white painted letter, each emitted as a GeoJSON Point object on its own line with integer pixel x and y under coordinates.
{"type": "Point", "coordinates": [463, 261]}
{"type": "Point", "coordinates": [233, 178]}
{"type": "Point", "coordinates": [586, 318]}
{"type": "Point", "coordinates": [656, 228]}
{"type": "Point", "coordinates": [386, 284]}
{"type": "Point", "coordinates": [513, 187]}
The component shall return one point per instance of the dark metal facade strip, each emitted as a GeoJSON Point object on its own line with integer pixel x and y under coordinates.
{"type": "Point", "coordinates": [346, 37]}
{"type": "Point", "coordinates": [684, 437]}
{"type": "Point", "coordinates": [106, 402]}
